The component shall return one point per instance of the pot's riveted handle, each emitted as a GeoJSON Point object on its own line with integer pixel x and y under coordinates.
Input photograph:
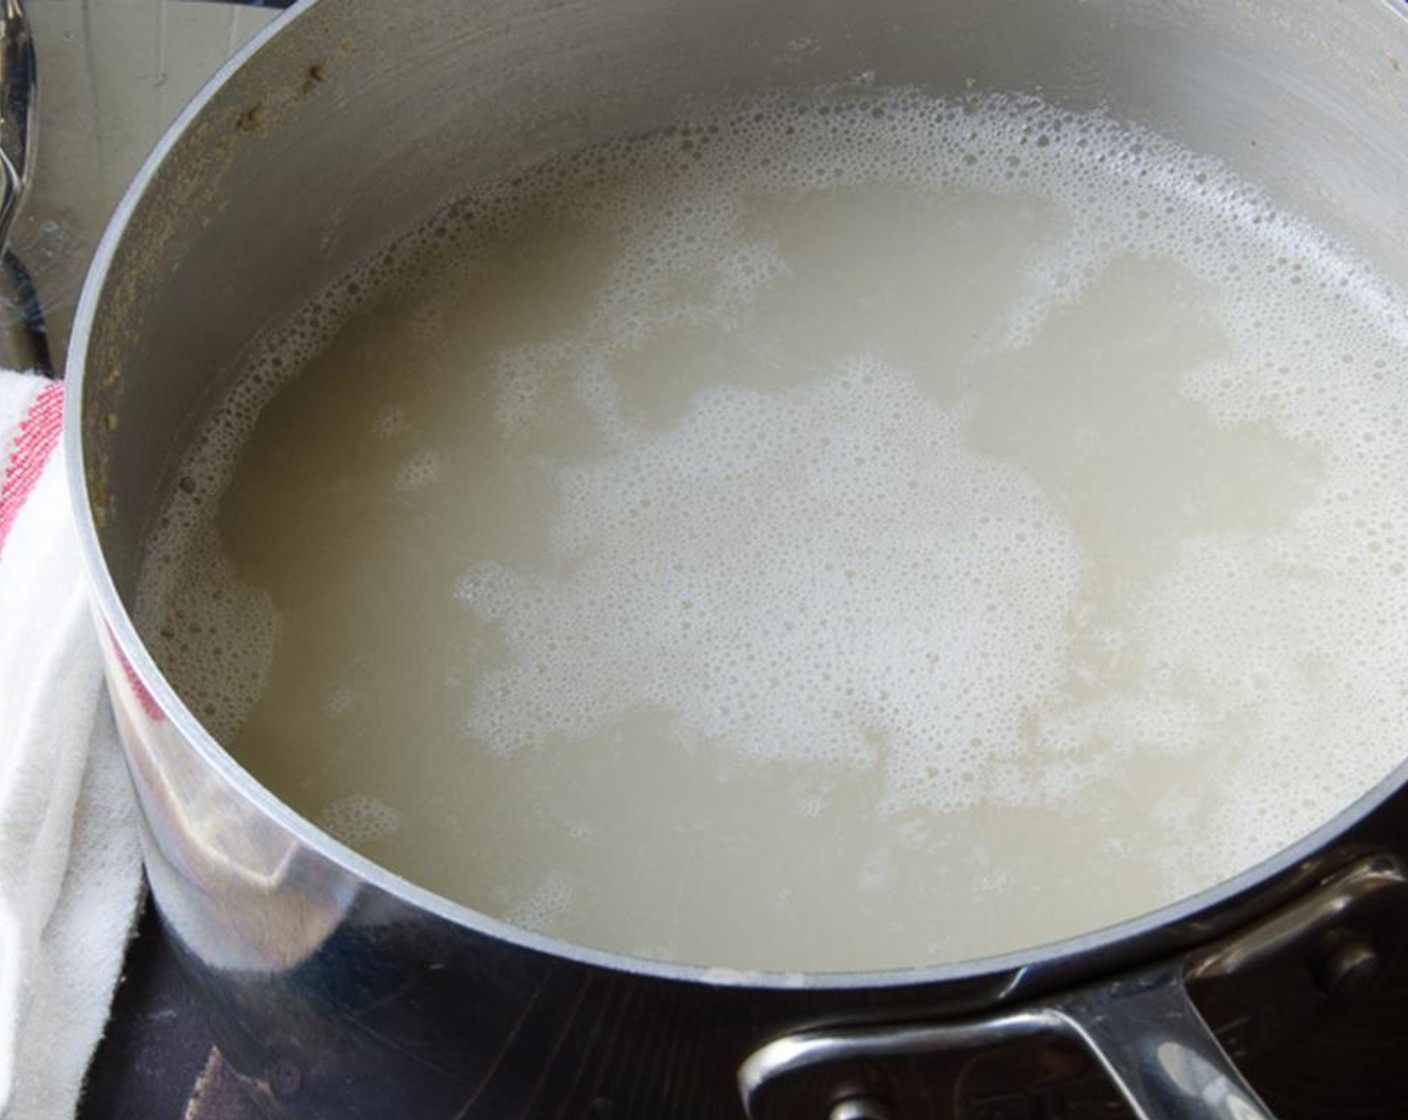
{"type": "Point", "coordinates": [1154, 1046]}
{"type": "Point", "coordinates": [1141, 1028]}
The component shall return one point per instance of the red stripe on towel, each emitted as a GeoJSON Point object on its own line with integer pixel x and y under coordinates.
{"type": "Point", "coordinates": [38, 433]}
{"type": "Point", "coordinates": [144, 698]}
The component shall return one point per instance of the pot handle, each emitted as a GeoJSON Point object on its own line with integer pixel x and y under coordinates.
{"type": "Point", "coordinates": [1157, 1050]}
{"type": "Point", "coordinates": [1142, 1027]}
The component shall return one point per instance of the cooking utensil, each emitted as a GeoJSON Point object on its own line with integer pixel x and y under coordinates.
{"type": "Point", "coordinates": [338, 989]}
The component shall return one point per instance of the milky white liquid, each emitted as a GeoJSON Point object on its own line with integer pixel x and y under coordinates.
{"type": "Point", "coordinates": [834, 534]}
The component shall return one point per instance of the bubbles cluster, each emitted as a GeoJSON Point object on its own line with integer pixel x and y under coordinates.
{"type": "Point", "coordinates": [541, 907]}
{"type": "Point", "coordinates": [419, 470]}
{"type": "Point", "coordinates": [827, 575]}
{"type": "Point", "coordinates": [360, 819]}
{"type": "Point", "coordinates": [212, 633]}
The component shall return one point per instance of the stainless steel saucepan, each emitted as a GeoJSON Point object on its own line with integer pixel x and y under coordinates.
{"type": "Point", "coordinates": [337, 989]}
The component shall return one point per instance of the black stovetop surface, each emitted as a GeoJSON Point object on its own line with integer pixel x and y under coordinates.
{"type": "Point", "coordinates": [158, 1061]}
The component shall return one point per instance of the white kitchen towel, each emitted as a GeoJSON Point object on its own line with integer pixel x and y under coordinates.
{"type": "Point", "coordinates": [70, 873]}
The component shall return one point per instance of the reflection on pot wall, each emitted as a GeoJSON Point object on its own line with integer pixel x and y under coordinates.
{"type": "Point", "coordinates": [266, 902]}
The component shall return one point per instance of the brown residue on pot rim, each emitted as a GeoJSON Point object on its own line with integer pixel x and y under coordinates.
{"type": "Point", "coordinates": [260, 114]}
{"type": "Point", "coordinates": [251, 118]}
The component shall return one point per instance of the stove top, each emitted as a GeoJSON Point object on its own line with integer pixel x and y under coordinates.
{"type": "Point", "coordinates": [157, 1059]}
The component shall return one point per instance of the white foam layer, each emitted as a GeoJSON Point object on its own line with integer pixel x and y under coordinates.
{"type": "Point", "coordinates": [360, 819]}
{"type": "Point", "coordinates": [828, 575]}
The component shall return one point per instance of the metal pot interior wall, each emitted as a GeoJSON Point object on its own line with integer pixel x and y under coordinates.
{"type": "Point", "coordinates": [353, 122]}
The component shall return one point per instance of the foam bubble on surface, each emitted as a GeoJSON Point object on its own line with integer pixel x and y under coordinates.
{"type": "Point", "coordinates": [360, 819]}
{"type": "Point", "coordinates": [421, 469]}
{"type": "Point", "coordinates": [219, 628]}
{"type": "Point", "coordinates": [541, 908]}
{"type": "Point", "coordinates": [390, 421]}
